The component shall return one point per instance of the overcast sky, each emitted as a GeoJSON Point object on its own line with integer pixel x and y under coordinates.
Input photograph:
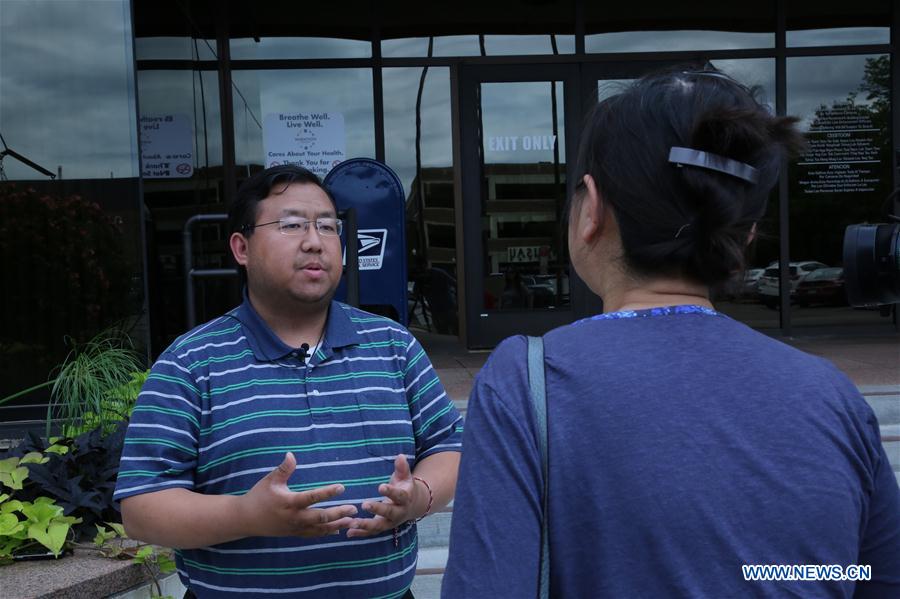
{"type": "Point", "coordinates": [66, 90]}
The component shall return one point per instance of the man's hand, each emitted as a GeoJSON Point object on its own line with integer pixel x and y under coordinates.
{"type": "Point", "coordinates": [270, 509]}
{"type": "Point", "coordinates": [402, 498]}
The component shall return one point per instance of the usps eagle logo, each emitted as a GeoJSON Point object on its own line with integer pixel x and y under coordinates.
{"type": "Point", "coordinates": [371, 248]}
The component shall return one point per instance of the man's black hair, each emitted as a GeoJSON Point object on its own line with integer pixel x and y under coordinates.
{"type": "Point", "coordinates": [271, 181]}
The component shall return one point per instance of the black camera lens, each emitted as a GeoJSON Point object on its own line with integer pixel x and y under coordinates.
{"type": "Point", "coordinates": [872, 264]}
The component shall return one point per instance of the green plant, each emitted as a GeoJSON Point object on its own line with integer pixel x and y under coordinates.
{"type": "Point", "coordinates": [79, 474]}
{"type": "Point", "coordinates": [25, 524]}
{"type": "Point", "coordinates": [114, 543]}
{"type": "Point", "coordinates": [115, 407]}
{"type": "Point", "coordinates": [94, 383]}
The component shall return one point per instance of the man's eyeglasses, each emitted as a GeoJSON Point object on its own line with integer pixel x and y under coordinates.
{"type": "Point", "coordinates": [295, 225]}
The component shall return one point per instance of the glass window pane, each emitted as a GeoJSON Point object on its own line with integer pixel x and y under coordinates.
{"type": "Point", "coordinates": [68, 111]}
{"type": "Point", "coordinates": [843, 178]}
{"type": "Point", "coordinates": [442, 45]}
{"type": "Point", "coordinates": [193, 95]}
{"type": "Point", "coordinates": [741, 297]}
{"type": "Point", "coordinates": [469, 45]}
{"type": "Point", "coordinates": [524, 187]}
{"type": "Point", "coordinates": [666, 26]}
{"type": "Point", "coordinates": [71, 253]}
{"type": "Point", "coordinates": [418, 146]}
{"type": "Point", "coordinates": [830, 23]}
{"type": "Point", "coordinates": [314, 118]}
{"type": "Point", "coordinates": [299, 47]}
{"type": "Point", "coordinates": [174, 48]}
{"type": "Point", "coordinates": [181, 143]}
{"type": "Point", "coordinates": [289, 30]}
{"type": "Point", "coordinates": [510, 27]}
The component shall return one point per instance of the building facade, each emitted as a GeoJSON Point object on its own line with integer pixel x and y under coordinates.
{"type": "Point", "coordinates": [122, 119]}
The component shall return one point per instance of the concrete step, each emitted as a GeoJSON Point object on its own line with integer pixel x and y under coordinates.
{"type": "Point", "coordinates": [462, 405]}
{"type": "Point", "coordinates": [427, 586]}
{"type": "Point", "coordinates": [434, 531]}
{"type": "Point", "coordinates": [430, 572]}
{"type": "Point", "coordinates": [432, 559]}
{"type": "Point", "coordinates": [434, 549]}
{"type": "Point", "coordinates": [886, 408]}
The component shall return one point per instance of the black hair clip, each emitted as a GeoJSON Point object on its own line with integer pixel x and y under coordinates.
{"type": "Point", "coordinates": [690, 157]}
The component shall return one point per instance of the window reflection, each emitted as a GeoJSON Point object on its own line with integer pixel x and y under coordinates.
{"type": "Point", "coordinates": [523, 181]}
{"type": "Point", "coordinates": [418, 146]}
{"type": "Point", "coordinates": [753, 294]}
{"type": "Point", "coordinates": [470, 45]}
{"type": "Point", "coordinates": [656, 41]}
{"type": "Point", "coordinates": [442, 45]}
{"type": "Point", "coordinates": [174, 48]}
{"type": "Point", "coordinates": [267, 105]}
{"type": "Point", "coordinates": [184, 106]}
{"type": "Point", "coordinates": [666, 26]}
{"type": "Point", "coordinates": [515, 27]}
{"type": "Point", "coordinates": [299, 47]}
{"type": "Point", "coordinates": [814, 23]}
{"type": "Point", "coordinates": [66, 92]}
{"type": "Point", "coordinates": [843, 178]}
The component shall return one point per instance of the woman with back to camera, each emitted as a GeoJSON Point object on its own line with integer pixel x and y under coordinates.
{"type": "Point", "coordinates": [682, 444]}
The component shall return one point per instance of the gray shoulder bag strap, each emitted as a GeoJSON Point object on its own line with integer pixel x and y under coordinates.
{"type": "Point", "coordinates": [539, 399]}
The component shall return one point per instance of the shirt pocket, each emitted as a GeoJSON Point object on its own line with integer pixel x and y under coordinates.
{"type": "Point", "coordinates": [386, 424]}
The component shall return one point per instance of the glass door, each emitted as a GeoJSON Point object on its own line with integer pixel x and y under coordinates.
{"type": "Point", "coordinates": [518, 132]}
{"type": "Point", "coordinates": [519, 137]}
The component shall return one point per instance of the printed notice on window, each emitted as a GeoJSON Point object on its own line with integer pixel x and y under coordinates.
{"type": "Point", "coordinates": [312, 139]}
{"type": "Point", "coordinates": [842, 151]}
{"type": "Point", "coordinates": [167, 146]}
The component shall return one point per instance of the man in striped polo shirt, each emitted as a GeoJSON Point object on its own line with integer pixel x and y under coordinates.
{"type": "Point", "coordinates": [288, 447]}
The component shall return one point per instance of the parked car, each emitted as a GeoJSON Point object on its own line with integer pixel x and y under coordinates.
{"type": "Point", "coordinates": [768, 282]}
{"type": "Point", "coordinates": [750, 284]}
{"type": "Point", "coordinates": [542, 289]}
{"type": "Point", "coordinates": [822, 286]}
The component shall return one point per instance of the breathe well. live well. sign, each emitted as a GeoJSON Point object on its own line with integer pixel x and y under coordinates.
{"type": "Point", "coordinates": [313, 140]}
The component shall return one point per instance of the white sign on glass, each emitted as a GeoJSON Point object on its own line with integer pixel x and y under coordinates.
{"type": "Point", "coordinates": [167, 146]}
{"type": "Point", "coordinates": [313, 140]}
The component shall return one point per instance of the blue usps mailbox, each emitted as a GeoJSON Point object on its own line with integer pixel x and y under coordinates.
{"type": "Point", "coordinates": [376, 193]}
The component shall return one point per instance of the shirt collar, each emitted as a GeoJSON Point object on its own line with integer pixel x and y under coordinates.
{"type": "Point", "coordinates": [340, 331]}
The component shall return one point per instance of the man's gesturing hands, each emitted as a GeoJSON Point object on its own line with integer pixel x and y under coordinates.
{"type": "Point", "coordinates": [403, 497]}
{"type": "Point", "coordinates": [270, 509]}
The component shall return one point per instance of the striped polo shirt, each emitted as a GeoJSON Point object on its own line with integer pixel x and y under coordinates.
{"type": "Point", "coordinates": [225, 402]}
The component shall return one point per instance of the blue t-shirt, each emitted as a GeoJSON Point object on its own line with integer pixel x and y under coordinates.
{"type": "Point", "coordinates": [225, 402]}
{"type": "Point", "coordinates": [683, 445]}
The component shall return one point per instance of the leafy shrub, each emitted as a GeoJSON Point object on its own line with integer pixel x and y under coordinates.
{"type": "Point", "coordinates": [79, 475]}
{"type": "Point", "coordinates": [24, 523]}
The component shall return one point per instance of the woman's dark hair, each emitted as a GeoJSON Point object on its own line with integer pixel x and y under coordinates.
{"type": "Point", "coordinates": [682, 220]}
{"type": "Point", "coordinates": [273, 180]}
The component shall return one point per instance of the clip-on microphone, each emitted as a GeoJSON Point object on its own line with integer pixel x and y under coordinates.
{"type": "Point", "coordinates": [303, 352]}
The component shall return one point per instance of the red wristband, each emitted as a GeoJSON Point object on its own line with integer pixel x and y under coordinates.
{"type": "Point", "coordinates": [430, 497]}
